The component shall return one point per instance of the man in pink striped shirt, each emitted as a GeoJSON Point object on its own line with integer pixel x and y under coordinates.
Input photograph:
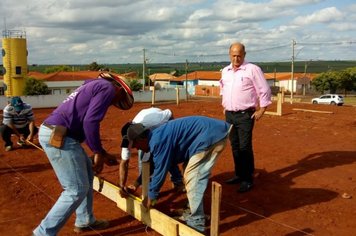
{"type": "Point", "coordinates": [245, 97]}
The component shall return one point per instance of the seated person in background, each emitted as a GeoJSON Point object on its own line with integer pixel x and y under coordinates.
{"type": "Point", "coordinates": [18, 119]}
{"type": "Point", "coordinates": [151, 118]}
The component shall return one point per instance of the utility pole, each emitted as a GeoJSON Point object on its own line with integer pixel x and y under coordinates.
{"type": "Point", "coordinates": [292, 71]}
{"type": "Point", "coordinates": [186, 80]}
{"type": "Point", "coordinates": [305, 81]}
{"type": "Point", "coordinates": [144, 69]}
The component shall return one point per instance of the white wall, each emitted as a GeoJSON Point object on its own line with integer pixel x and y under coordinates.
{"type": "Point", "coordinates": [208, 82]}
{"type": "Point", "coordinates": [49, 101]}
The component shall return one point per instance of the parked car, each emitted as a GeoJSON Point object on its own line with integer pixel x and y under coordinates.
{"type": "Point", "coordinates": [332, 99]}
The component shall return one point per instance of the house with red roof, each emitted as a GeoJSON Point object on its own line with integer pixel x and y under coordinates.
{"type": "Point", "coordinates": [201, 83]}
{"type": "Point", "coordinates": [63, 82]}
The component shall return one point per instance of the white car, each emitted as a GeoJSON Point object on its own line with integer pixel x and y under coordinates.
{"type": "Point", "coordinates": [332, 99]}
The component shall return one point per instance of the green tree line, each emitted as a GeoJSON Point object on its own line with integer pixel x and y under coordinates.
{"type": "Point", "coordinates": [333, 81]}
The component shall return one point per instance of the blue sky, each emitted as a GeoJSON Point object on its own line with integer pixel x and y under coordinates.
{"type": "Point", "coordinates": [116, 32]}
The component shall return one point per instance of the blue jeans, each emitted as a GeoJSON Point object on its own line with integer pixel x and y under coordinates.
{"type": "Point", "coordinates": [196, 177]}
{"type": "Point", "coordinates": [73, 169]}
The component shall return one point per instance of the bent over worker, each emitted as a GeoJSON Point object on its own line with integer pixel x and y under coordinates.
{"type": "Point", "coordinates": [74, 121]}
{"type": "Point", "coordinates": [195, 141]}
{"type": "Point", "coordinates": [150, 118]}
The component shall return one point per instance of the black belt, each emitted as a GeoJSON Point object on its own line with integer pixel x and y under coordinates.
{"type": "Point", "coordinates": [243, 111]}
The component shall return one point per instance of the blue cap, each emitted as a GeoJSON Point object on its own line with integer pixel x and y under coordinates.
{"type": "Point", "coordinates": [17, 103]}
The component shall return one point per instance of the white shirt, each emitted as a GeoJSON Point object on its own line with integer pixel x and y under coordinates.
{"type": "Point", "coordinates": [150, 118]}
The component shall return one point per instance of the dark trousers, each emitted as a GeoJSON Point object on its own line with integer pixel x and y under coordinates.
{"type": "Point", "coordinates": [241, 143]}
{"type": "Point", "coordinates": [6, 133]}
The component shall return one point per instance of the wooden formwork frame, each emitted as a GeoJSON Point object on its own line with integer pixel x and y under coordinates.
{"type": "Point", "coordinates": [153, 97]}
{"type": "Point", "coordinates": [155, 219]}
{"type": "Point", "coordinates": [279, 106]}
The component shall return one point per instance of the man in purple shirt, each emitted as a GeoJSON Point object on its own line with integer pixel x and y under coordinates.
{"type": "Point", "coordinates": [245, 97]}
{"type": "Point", "coordinates": [74, 121]}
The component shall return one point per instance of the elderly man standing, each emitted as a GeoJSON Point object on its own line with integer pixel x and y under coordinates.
{"type": "Point", "coordinates": [245, 97]}
{"type": "Point", "coordinates": [19, 120]}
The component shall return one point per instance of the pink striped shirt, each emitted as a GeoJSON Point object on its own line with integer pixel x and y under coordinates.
{"type": "Point", "coordinates": [244, 88]}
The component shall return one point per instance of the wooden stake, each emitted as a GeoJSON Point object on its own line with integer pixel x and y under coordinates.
{"type": "Point", "coordinates": [153, 94]}
{"type": "Point", "coordinates": [215, 208]}
{"type": "Point", "coordinates": [177, 89]}
{"type": "Point", "coordinates": [279, 104]}
{"type": "Point", "coordinates": [145, 178]}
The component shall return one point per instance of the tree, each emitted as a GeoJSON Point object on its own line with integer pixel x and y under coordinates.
{"type": "Point", "coordinates": [53, 69]}
{"type": "Point", "coordinates": [326, 81]}
{"type": "Point", "coordinates": [94, 66]}
{"type": "Point", "coordinates": [345, 81]}
{"type": "Point", "coordinates": [352, 75]}
{"type": "Point", "coordinates": [35, 87]}
{"type": "Point", "coordinates": [135, 85]}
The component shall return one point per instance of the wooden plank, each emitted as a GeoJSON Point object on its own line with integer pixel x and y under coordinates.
{"type": "Point", "coordinates": [215, 208]}
{"type": "Point", "coordinates": [153, 218]}
{"type": "Point", "coordinates": [316, 111]}
{"type": "Point", "coordinates": [153, 94]}
{"type": "Point", "coordinates": [145, 178]}
{"type": "Point", "coordinates": [279, 104]}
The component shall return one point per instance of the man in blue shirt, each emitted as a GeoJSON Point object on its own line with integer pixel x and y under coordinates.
{"type": "Point", "coordinates": [195, 141]}
{"type": "Point", "coordinates": [151, 118]}
{"type": "Point", "coordinates": [74, 121]}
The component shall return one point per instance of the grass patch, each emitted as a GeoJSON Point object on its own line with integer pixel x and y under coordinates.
{"type": "Point", "coordinates": [350, 100]}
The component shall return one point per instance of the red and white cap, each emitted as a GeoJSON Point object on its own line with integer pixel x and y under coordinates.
{"type": "Point", "coordinates": [126, 102]}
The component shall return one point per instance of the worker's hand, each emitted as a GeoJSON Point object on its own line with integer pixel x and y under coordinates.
{"type": "Point", "coordinates": [29, 138]}
{"type": "Point", "coordinates": [259, 113]}
{"type": "Point", "coordinates": [148, 203]}
{"type": "Point", "coordinates": [123, 192]}
{"type": "Point", "coordinates": [132, 188]}
{"type": "Point", "coordinates": [98, 163]}
{"type": "Point", "coordinates": [22, 138]}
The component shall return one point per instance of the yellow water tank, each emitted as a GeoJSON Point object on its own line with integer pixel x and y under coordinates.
{"type": "Point", "coordinates": [14, 54]}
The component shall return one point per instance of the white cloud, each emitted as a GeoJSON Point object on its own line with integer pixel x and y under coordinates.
{"type": "Point", "coordinates": [290, 3]}
{"type": "Point", "coordinates": [326, 15]}
{"type": "Point", "coordinates": [79, 48]}
{"type": "Point", "coordinates": [118, 30]}
{"type": "Point", "coordinates": [343, 26]}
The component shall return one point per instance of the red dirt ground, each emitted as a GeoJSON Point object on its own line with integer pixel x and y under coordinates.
{"type": "Point", "coordinates": [305, 163]}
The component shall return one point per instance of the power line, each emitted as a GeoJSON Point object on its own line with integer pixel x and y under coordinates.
{"type": "Point", "coordinates": [328, 43]}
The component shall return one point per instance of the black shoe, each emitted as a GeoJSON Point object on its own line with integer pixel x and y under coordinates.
{"type": "Point", "coordinates": [97, 225]}
{"type": "Point", "coordinates": [245, 187]}
{"type": "Point", "coordinates": [234, 180]}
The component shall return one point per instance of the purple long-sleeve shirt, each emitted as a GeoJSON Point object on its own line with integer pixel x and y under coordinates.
{"type": "Point", "coordinates": [83, 110]}
{"type": "Point", "coordinates": [244, 88]}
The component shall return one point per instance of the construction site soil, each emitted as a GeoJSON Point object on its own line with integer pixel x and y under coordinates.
{"type": "Point", "coordinates": [305, 179]}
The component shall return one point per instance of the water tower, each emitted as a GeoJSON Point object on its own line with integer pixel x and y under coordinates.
{"type": "Point", "coordinates": [14, 57]}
